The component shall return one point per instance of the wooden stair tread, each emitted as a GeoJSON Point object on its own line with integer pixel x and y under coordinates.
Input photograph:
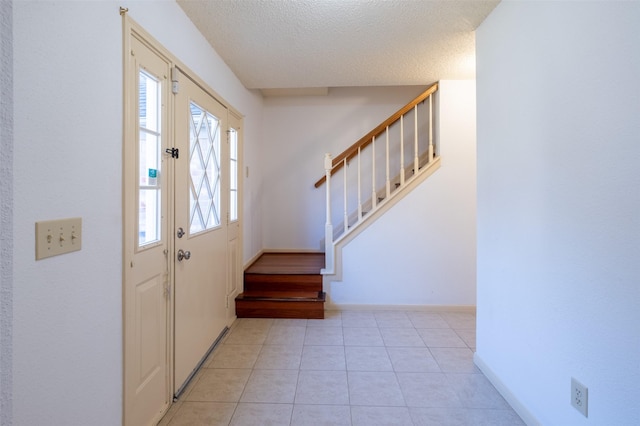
{"type": "Point", "coordinates": [287, 264]}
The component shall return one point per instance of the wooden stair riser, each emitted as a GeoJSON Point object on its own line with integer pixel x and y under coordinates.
{"type": "Point", "coordinates": [282, 282]}
{"type": "Point", "coordinates": [271, 294]}
{"type": "Point", "coordinates": [260, 308]}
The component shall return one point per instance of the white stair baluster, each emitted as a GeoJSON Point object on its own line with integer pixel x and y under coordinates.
{"type": "Point", "coordinates": [346, 213]}
{"type": "Point", "coordinates": [416, 160]}
{"type": "Point", "coordinates": [402, 150]}
{"type": "Point", "coordinates": [388, 178]}
{"type": "Point", "coordinates": [374, 196]}
{"type": "Point", "coordinates": [359, 189]}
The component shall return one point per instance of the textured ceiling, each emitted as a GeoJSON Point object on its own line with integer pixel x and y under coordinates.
{"type": "Point", "coordinates": [274, 44]}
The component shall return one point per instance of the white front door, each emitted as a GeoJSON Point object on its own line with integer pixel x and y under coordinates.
{"type": "Point", "coordinates": [181, 218]}
{"type": "Point", "coordinates": [201, 209]}
{"type": "Point", "coordinates": [147, 391]}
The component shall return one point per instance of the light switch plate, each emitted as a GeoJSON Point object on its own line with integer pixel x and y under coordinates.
{"type": "Point", "coordinates": [54, 237]}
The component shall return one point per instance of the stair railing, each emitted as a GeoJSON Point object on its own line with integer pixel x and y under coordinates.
{"type": "Point", "coordinates": [379, 194]}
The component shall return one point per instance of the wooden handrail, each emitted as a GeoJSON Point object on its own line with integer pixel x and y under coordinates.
{"type": "Point", "coordinates": [352, 151]}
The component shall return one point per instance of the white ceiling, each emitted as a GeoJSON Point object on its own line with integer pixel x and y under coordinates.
{"type": "Point", "coordinates": [293, 44]}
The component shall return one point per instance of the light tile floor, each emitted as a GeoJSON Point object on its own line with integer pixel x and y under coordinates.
{"type": "Point", "coordinates": [352, 368]}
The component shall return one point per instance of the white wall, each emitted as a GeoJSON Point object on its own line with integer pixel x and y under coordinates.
{"type": "Point", "coordinates": [422, 251]}
{"type": "Point", "coordinates": [559, 207]}
{"type": "Point", "coordinates": [67, 342]}
{"type": "Point", "coordinates": [67, 328]}
{"type": "Point", "coordinates": [6, 210]}
{"type": "Point", "coordinates": [298, 132]}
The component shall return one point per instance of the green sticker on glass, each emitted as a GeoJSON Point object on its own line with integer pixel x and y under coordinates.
{"type": "Point", "coordinates": [153, 177]}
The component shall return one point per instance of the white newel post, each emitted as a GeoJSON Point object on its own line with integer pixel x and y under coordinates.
{"type": "Point", "coordinates": [328, 228]}
{"type": "Point", "coordinates": [430, 128]}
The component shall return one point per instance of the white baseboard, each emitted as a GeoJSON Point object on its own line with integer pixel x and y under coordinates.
{"type": "Point", "coordinates": [515, 403]}
{"type": "Point", "coordinates": [421, 308]}
{"type": "Point", "coordinates": [286, 250]}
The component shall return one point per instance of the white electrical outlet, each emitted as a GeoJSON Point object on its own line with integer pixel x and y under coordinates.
{"type": "Point", "coordinates": [579, 396]}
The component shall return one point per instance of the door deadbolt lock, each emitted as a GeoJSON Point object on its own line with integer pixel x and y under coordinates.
{"type": "Point", "coordinates": [180, 233]}
{"type": "Point", "coordinates": [186, 255]}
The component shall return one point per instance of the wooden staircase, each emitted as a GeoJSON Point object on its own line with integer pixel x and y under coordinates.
{"type": "Point", "coordinates": [406, 140]}
{"type": "Point", "coordinates": [283, 285]}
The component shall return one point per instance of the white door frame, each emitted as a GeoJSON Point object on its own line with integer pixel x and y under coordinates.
{"type": "Point", "coordinates": [235, 267]}
{"type": "Point", "coordinates": [132, 29]}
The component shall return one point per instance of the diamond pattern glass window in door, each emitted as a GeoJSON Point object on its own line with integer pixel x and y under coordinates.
{"type": "Point", "coordinates": [204, 170]}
